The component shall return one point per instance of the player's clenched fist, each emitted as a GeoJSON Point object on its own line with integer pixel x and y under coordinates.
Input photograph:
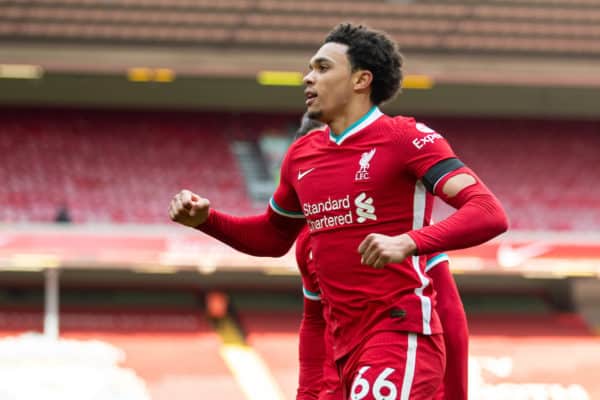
{"type": "Point", "coordinates": [189, 209]}
{"type": "Point", "coordinates": [378, 250]}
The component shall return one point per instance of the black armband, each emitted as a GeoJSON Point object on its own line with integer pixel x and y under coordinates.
{"type": "Point", "coordinates": [439, 170]}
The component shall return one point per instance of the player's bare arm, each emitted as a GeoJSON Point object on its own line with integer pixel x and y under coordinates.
{"type": "Point", "coordinates": [454, 185]}
{"type": "Point", "coordinates": [189, 209]}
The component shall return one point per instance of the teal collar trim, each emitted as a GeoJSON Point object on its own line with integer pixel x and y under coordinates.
{"type": "Point", "coordinates": [366, 120]}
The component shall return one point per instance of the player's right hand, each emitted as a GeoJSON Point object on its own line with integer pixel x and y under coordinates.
{"type": "Point", "coordinates": [189, 209]}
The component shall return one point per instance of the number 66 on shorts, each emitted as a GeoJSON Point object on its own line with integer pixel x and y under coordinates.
{"type": "Point", "coordinates": [395, 366]}
{"type": "Point", "coordinates": [382, 389]}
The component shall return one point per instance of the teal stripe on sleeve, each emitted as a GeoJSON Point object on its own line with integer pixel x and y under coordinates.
{"type": "Point", "coordinates": [311, 295]}
{"type": "Point", "coordinates": [285, 213]}
{"type": "Point", "coordinates": [432, 262]}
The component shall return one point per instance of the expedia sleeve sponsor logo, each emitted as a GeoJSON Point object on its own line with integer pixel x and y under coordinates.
{"type": "Point", "coordinates": [419, 143]}
{"type": "Point", "coordinates": [339, 212]}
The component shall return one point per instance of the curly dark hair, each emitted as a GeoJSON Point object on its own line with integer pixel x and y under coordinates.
{"type": "Point", "coordinates": [372, 50]}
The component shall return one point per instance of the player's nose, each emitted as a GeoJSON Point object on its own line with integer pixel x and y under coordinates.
{"type": "Point", "coordinates": [309, 79]}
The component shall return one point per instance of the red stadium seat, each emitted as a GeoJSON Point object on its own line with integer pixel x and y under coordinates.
{"type": "Point", "coordinates": [526, 26]}
{"type": "Point", "coordinates": [94, 161]}
{"type": "Point", "coordinates": [111, 167]}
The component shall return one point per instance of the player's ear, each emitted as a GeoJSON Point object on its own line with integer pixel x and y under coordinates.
{"type": "Point", "coordinates": [362, 79]}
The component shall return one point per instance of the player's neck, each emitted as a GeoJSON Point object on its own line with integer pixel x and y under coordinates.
{"type": "Point", "coordinates": [352, 114]}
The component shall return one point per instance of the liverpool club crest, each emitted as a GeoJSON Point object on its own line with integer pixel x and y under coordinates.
{"type": "Point", "coordinates": [365, 162]}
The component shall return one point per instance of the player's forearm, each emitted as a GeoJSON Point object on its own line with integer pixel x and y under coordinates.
{"type": "Point", "coordinates": [265, 235]}
{"type": "Point", "coordinates": [479, 217]}
{"type": "Point", "coordinates": [311, 351]}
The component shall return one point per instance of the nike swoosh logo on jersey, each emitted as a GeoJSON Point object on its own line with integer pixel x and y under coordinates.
{"type": "Point", "coordinates": [303, 174]}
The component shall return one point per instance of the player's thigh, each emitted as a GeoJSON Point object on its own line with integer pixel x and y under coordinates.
{"type": "Point", "coordinates": [410, 367]}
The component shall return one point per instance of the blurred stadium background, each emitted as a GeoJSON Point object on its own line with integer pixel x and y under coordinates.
{"type": "Point", "coordinates": [109, 107]}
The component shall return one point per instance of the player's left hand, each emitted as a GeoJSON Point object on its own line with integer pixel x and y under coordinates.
{"type": "Point", "coordinates": [377, 250]}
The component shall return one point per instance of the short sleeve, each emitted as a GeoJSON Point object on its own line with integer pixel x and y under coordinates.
{"type": "Point", "coordinates": [285, 200]}
{"type": "Point", "coordinates": [310, 286]}
{"type": "Point", "coordinates": [422, 146]}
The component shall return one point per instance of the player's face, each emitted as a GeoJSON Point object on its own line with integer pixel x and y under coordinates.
{"type": "Point", "coordinates": [329, 85]}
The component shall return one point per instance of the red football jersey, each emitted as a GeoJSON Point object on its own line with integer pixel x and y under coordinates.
{"type": "Point", "coordinates": [331, 388]}
{"type": "Point", "coordinates": [366, 180]}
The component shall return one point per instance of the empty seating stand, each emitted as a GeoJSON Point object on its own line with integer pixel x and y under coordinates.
{"type": "Point", "coordinates": [274, 336]}
{"type": "Point", "coordinates": [541, 170]}
{"type": "Point", "coordinates": [112, 166]}
{"type": "Point", "coordinates": [124, 167]}
{"type": "Point", "coordinates": [498, 26]}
